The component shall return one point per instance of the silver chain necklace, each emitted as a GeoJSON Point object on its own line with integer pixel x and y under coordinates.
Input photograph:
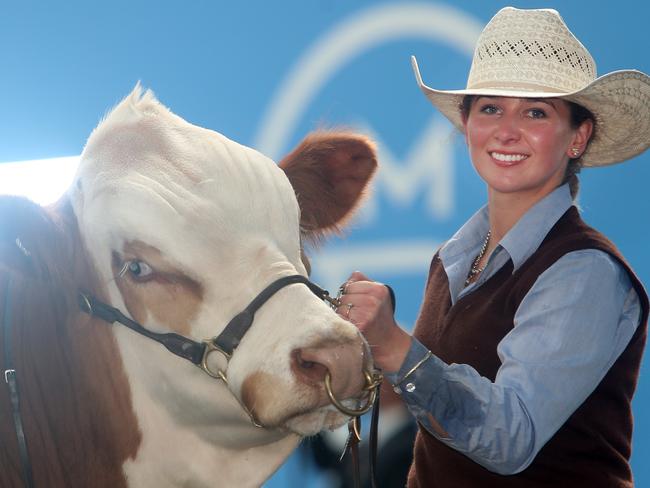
{"type": "Point", "coordinates": [475, 270]}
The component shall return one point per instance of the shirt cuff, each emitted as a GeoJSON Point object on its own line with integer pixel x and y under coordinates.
{"type": "Point", "coordinates": [419, 371]}
{"type": "Point", "coordinates": [418, 382]}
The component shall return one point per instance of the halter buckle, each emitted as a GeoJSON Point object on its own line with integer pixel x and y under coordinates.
{"type": "Point", "coordinates": [8, 373]}
{"type": "Point", "coordinates": [211, 347]}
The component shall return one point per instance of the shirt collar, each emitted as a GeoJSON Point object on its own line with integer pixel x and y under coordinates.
{"type": "Point", "coordinates": [522, 240]}
{"type": "Point", "coordinates": [530, 230]}
{"type": "Point", "coordinates": [470, 235]}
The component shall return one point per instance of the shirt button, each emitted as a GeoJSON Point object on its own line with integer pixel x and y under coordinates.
{"type": "Point", "coordinates": [410, 387]}
{"type": "Point", "coordinates": [397, 390]}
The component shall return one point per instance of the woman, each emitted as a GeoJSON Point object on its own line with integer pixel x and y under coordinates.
{"type": "Point", "coordinates": [527, 349]}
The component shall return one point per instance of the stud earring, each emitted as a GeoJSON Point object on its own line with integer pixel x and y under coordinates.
{"type": "Point", "coordinates": [575, 151]}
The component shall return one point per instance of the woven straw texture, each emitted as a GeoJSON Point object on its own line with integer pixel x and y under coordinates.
{"type": "Point", "coordinates": [538, 47]}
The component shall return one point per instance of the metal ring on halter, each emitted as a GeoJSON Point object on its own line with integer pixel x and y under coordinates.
{"type": "Point", "coordinates": [87, 303]}
{"type": "Point", "coordinates": [211, 347]}
{"type": "Point", "coordinates": [373, 380]}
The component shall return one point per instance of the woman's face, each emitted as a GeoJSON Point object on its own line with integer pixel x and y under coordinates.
{"type": "Point", "coordinates": [521, 145]}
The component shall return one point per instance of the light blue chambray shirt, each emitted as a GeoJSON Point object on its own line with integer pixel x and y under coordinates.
{"type": "Point", "coordinates": [569, 329]}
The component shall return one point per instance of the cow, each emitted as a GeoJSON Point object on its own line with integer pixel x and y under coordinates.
{"type": "Point", "coordinates": [178, 228]}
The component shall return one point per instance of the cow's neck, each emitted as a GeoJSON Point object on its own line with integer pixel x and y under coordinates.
{"type": "Point", "coordinates": [198, 463]}
{"type": "Point", "coordinates": [213, 438]}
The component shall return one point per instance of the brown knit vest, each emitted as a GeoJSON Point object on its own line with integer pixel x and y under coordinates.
{"type": "Point", "coordinates": [592, 448]}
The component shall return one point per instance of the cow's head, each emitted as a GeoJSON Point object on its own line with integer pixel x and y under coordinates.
{"type": "Point", "coordinates": [185, 227]}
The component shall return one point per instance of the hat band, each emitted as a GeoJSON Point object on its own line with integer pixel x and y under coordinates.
{"type": "Point", "coordinates": [516, 86]}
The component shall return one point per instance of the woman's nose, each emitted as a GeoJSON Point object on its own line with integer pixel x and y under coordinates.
{"type": "Point", "coordinates": [507, 129]}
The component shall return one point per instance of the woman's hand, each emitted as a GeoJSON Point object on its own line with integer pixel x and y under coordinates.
{"type": "Point", "coordinates": [367, 305]}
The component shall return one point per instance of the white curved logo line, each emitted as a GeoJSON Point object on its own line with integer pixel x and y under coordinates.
{"type": "Point", "coordinates": [351, 37]}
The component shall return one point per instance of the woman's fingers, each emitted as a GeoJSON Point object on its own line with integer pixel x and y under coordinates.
{"type": "Point", "coordinates": [358, 276]}
{"type": "Point", "coordinates": [365, 303]}
{"type": "Point", "coordinates": [368, 305]}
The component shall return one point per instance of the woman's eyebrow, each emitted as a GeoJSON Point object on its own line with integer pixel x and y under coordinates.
{"type": "Point", "coordinates": [547, 101]}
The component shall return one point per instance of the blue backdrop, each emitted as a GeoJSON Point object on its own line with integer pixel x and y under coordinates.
{"type": "Point", "coordinates": [265, 73]}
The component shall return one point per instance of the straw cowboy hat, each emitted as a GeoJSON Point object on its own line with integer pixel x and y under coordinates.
{"type": "Point", "coordinates": [533, 54]}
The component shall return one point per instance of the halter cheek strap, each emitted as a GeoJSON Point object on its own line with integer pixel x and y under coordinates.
{"type": "Point", "coordinates": [177, 344]}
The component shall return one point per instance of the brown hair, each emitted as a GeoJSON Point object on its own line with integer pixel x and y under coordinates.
{"type": "Point", "coordinates": [578, 114]}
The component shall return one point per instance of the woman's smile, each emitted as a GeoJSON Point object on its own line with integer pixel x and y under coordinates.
{"type": "Point", "coordinates": [507, 159]}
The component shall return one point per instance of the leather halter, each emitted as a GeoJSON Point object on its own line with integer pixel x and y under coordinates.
{"type": "Point", "coordinates": [198, 352]}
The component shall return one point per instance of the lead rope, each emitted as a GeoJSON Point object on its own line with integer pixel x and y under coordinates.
{"type": "Point", "coordinates": [374, 426]}
{"type": "Point", "coordinates": [354, 439]}
{"type": "Point", "coordinates": [352, 446]}
{"type": "Point", "coordinates": [12, 382]}
{"type": "Point", "coordinates": [354, 430]}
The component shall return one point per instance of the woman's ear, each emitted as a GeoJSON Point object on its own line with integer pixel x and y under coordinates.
{"type": "Point", "coordinates": [581, 139]}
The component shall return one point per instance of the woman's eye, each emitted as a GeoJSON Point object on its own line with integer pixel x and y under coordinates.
{"type": "Point", "coordinates": [139, 270]}
{"type": "Point", "coordinates": [489, 109]}
{"type": "Point", "coordinates": [536, 113]}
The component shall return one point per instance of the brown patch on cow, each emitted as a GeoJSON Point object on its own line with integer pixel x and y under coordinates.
{"type": "Point", "coordinates": [75, 397]}
{"type": "Point", "coordinates": [257, 394]}
{"type": "Point", "coordinates": [329, 172]}
{"type": "Point", "coordinates": [169, 297]}
{"type": "Point", "coordinates": [264, 402]}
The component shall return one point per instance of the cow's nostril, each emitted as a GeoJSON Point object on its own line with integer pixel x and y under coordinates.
{"type": "Point", "coordinates": [306, 364]}
{"type": "Point", "coordinates": [307, 370]}
{"type": "Point", "coordinates": [344, 361]}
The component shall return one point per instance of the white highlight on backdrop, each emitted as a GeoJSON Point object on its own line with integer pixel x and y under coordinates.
{"type": "Point", "coordinates": [428, 166]}
{"type": "Point", "coordinates": [41, 180]}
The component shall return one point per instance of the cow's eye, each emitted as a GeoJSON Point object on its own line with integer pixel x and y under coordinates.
{"type": "Point", "coordinates": [139, 270]}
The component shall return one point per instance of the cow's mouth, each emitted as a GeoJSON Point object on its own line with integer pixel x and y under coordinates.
{"type": "Point", "coordinates": [311, 409]}
{"type": "Point", "coordinates": [314, 421]}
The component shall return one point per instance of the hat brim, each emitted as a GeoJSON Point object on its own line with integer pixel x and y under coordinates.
{"type": "Point", "coordinates": [619, 101]}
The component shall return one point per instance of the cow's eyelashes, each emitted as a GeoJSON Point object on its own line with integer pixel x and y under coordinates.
{"type": "Point", "coordinates": [137, 269]}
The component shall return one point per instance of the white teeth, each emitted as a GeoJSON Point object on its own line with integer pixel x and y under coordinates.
{"type": "Point", "coordinates": [508, 157]}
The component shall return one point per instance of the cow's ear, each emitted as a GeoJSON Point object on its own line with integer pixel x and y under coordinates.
{"type": "Point", "coordinates": [330, 172]}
